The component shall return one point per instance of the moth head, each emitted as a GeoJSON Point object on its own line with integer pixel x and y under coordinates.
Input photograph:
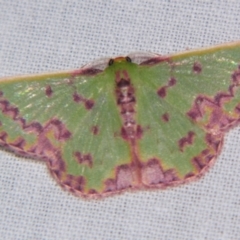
{"type": "Point", "coordinates": [119, 60]}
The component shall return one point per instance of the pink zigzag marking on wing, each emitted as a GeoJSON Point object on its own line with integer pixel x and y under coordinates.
{"type": "Point", "coordinates": [218, 119]}
{"type": "Point", "coordinates": [61, 133]}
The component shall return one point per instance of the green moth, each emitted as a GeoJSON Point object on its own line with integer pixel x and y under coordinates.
{"type": "Point", "coordinates": [136, 122]}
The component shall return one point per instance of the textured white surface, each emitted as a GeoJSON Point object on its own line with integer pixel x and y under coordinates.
{"type": "Point", "coordinates": [39, 36]}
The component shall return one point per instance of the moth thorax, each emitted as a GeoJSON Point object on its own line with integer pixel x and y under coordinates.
{"type": "Point", "coordinates": [126, 101]}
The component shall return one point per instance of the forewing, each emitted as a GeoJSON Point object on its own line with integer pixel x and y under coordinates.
{"type": "Point", "coordinates": [185, 104]}
{"type": "Point", "coordinates": [69, 120]}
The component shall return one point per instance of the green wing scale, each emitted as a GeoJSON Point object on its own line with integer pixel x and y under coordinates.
{"type": "Point", "coordinates": [136, 122]}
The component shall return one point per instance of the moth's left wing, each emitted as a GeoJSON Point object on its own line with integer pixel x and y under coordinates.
{"type": "Point", "coordinates": [70, 120]}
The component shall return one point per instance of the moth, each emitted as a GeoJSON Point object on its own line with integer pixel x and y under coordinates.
{"type": "Point", "coordinates": [140, 121]}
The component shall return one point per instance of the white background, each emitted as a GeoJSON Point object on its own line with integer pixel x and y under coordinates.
{"type": "Point", "coordinates": [39, 36]}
